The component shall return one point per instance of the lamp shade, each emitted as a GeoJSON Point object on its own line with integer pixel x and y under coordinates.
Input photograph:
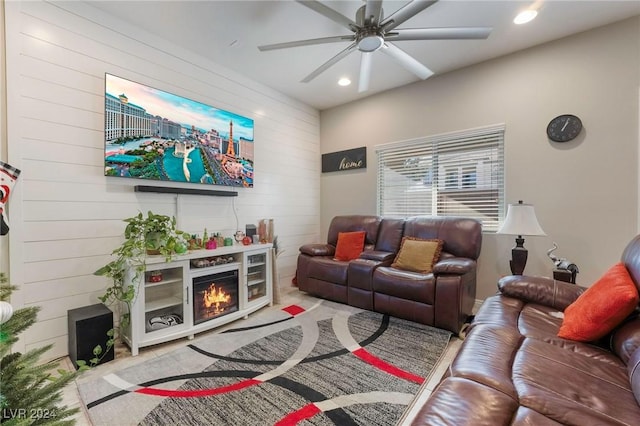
{"type": "Point", "coordinates": [521, 220]}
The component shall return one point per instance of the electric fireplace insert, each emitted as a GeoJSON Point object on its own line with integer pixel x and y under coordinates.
{"type": "Point", "coordinates": [214, 296]}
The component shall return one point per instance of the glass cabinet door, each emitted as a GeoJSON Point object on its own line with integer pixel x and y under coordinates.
{"type": "Point", "coordinates": [256, 267]}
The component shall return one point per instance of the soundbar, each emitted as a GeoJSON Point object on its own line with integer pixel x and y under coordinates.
{"type": "Point", "coordinates": [187, 191]}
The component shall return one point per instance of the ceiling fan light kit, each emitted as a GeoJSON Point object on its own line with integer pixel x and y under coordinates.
{"type": "Point", "coordinates": [370, 41]}
{"type": "Point", "coordinates": [373, 32]}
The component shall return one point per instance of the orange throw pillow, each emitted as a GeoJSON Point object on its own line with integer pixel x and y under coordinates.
{"type": "Point", "coordinates": [350, 245]}
{"type": "Point", "coordinates": [601, 307]}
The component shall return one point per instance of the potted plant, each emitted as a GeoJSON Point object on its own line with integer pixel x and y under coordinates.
{"type": "Point", "coordinates": [153, 234]}
{"type": "Point", "coordinates": [143, 235]}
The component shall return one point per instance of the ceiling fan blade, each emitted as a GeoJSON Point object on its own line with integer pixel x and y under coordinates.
{"type": "Point", "coordinates": [329, 63]}
{"type": "Point", "coordinates": [407, 61]}
{"type": "Point", "coordinates": [308, 42]}
{"type": "Point", "coordinates": [327, 12]}
{"type": "Point", "coordinates": [365, 72]}
{"type": "Point", "coordinates": [438, 33]}
{"type": "Point", "coordinates": [404, 13]}
{"type": "Point", "coordinates": [372, 12]}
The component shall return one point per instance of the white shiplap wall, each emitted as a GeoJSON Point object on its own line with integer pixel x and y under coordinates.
{"type": "Point", "coordinates": [4, 241]}
{"type": "Point", "coordinates": [66, 216]}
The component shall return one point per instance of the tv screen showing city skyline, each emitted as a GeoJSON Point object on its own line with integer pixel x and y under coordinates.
{"type": "Point", "coordinates": [153, 134]}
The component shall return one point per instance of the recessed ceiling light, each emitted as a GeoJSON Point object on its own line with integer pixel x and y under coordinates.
{"type": "Point", "coordinates": [344, 81]}
{"type": "Point", "coordinates": [525, 16]}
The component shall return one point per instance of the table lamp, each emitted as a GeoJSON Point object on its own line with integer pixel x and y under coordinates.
{"type": "Point", "coordinates": [521, 220]}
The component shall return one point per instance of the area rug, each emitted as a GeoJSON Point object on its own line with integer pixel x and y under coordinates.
{"type": "Point", "coordinates": [316, 363]}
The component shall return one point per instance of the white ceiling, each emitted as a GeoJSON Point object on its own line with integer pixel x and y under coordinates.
{"type": "Point", "coordinates": [228, 33]}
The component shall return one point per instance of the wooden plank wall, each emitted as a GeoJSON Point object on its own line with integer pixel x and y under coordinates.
{"type": "Point", "coordinates": [67, 216]}
{"type": "Point", "coordinates": [4, 240]}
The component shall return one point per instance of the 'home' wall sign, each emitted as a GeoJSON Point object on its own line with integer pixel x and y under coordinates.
{"type": "Point", "coordinates": [345, 160]}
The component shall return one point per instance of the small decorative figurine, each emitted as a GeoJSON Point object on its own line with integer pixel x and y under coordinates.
{"type": "Point", "coordinates": [563, 264]}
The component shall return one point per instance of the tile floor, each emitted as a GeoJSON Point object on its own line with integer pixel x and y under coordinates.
{"type": "Point", "coordinates": [71, 397]}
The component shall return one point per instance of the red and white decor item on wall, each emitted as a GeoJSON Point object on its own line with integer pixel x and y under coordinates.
{"type": "Point", "coordinates": [8, 177]}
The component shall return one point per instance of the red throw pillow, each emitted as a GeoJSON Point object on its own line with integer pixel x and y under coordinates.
{"type": "Point", "coordinates": [601, 307]}
{"type": "Point", "coordinates": [350, 245]}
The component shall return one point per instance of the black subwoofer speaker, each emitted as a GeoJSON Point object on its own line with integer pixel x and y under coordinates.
{"type": "Point", "coordinates": [88, 327]}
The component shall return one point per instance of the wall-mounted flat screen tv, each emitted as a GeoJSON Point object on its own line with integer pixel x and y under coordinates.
{"type": "Point", "coordinates": [151, 134]}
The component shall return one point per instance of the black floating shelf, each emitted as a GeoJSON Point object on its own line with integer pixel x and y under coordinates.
{"type": "Point", "coordinates": [188, 191]}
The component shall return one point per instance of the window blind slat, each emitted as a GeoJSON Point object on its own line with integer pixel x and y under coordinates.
{"type": "Point", "coordinates": [455, 174]}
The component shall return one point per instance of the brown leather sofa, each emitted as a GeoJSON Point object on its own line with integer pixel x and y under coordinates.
{"type": "Point", "coordinates": [512, 369]}
{"type": "Point", "coordinates": [443, 298]}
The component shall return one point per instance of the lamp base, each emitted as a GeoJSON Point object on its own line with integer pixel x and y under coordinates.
{"type": "Point", "coordinates": [519, 256]}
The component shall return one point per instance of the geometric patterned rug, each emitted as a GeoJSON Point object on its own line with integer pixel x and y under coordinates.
{"type": "Point", "coordinates": [320, 364]}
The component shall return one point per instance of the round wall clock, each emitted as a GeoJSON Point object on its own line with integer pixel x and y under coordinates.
{"type": "Point", "coordinates": [564, 128]}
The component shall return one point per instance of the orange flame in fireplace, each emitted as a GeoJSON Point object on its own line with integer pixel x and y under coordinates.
{"type": "Point", "coordinates": [214, 297]}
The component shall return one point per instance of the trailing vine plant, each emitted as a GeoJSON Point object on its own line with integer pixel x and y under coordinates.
{"type": "Point", "coordinates": [151, 234]}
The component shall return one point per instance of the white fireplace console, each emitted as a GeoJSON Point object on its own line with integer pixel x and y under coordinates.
{"type": "Point", "coordinates": [169, 306]}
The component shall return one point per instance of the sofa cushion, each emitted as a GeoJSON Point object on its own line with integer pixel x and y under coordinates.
{"type": "Point", "coordinates": [390, 235]}
{"type": "Point", "coordinates": [418, 255]}
{"type": "Point", "coordinates": [369, 224]}
{"type": "Point", "coordinates": [327, 269]}
{"type": "Point", "coordinates": [573, 388]}
{"type": "Point", "coordinates": [488, 356]}
{"type": "Point", "coordinates": [455, 402]}
{"type": "Point", "coordinates": [499, 310]}
{"type": "Point", "coordinates": [405, 284]}
{"type": "Point", "coordinates": [350, 245]}
{"type": "Point", "coordinates": [462, 236]}
{"type": "Point", "coordinates": [602, 307]}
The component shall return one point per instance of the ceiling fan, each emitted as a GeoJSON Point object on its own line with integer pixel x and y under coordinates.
{"type": "Point", "coordinates": [372, 32]}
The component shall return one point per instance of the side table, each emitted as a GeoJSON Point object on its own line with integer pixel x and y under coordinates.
{"type": "Point", "coordinates": [564, 275]}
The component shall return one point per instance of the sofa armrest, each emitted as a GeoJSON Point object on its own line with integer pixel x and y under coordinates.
{"type": "Point", "coordinates": [454, 266]}
{"type": "Point", "coordinates": [543, 290]}
{"type": "Point", "coordinates": [634, 373]}
{"type": "Point", "coordinates": [360, 273]}
{"type": "Point", "coordinates": [318, 249]}
{"type": "Point", "coordinates": [385, 257]}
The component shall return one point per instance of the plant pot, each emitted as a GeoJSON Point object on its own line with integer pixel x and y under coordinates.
{"type": "Point", "coordinates": [181, 248]}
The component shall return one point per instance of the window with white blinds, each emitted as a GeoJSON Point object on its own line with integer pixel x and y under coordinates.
{"type": "Point", "coordinates": [455, 174]}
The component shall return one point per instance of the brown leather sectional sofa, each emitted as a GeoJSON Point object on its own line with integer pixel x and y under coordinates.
{"type": "Point", "coordinates": [512, 369]}
{"type": "Point", "coordinates": [443, 298]}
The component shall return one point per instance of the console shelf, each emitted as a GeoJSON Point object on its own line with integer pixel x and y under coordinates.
{"type": "Point", "coordinates": [164, 307]}
{"type": "Point", "coordinates": [162, 303]}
